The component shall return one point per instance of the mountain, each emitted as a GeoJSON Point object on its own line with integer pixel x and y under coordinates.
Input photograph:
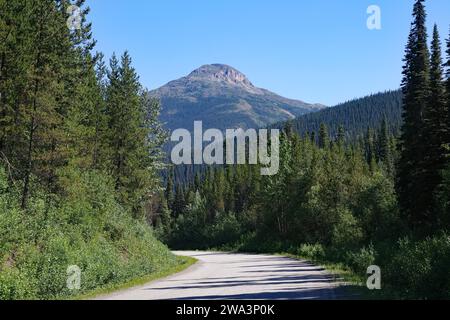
{"type": "Point", "coordinates": [222, 97]}
{"type": "Point", "coordinates": [355, 115]}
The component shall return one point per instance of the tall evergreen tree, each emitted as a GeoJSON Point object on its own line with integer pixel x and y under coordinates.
{"type": "Point", "coordinates": [448, 95]}
{"type": "Point", "coordinates": [434, 131]}
{"type": "Point", "coordinates": [341, 136]}
{"type": "Point", "coordinates": [385, 156]}
{"type": "Point", "coordinates": [169, 195]}
{"type": "Point", "coordinates": [43, 113]}
{"type": "Point", "coordinates": [369, 147]}
{"type": "Point", "coordinates": [179, 204]}
{"type": "Point", "coordinates": [383, 142]}
{"type": "Point", "coordinates": [416, 91]}
{"type": "Point", "coordinates": [128, 134]}
{"type": "Point", "coordinates": [324, 138]}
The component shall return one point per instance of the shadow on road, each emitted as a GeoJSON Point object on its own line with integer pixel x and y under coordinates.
{"type": "Point", "coordinates": [318, 288]}
{"type": "Point", "coordinates": [307, 294]}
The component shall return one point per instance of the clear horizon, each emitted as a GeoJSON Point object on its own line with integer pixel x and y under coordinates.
{"type": "Point", "coordinates": [319, 52]}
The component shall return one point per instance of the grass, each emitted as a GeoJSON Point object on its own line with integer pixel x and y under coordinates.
{"type": "Point", "coordinates": [184, 263]}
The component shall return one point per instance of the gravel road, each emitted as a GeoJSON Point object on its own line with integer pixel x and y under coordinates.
{"type": "Point", "coordinates": [222, 276]}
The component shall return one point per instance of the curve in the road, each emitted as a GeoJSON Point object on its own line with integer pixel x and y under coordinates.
{"type": "Point", "coordinates": [223, 276]}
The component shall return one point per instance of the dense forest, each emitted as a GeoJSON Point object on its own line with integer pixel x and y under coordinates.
{"type": "Point", "coordinates": [80, 154]}
{"type": "Point", "coordinates": [360, 118]}
{"type": "Point", "coordinates": [373, 189]}
{"type": "Point", "coordinates": [355, 115]}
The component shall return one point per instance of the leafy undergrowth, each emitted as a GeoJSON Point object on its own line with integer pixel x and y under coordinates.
{"type": "Point", "coordinates": [88, 229]}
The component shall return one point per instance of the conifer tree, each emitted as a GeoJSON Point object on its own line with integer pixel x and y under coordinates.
{"type": "Point", "coordinates": [415, 87]}
{"type": "Point", "coordinates": [341, 137]}
{"type": "Point", "coordinates": [179, 204]}
{"type": "Point", "coordinates": [385, 155]}
{"type": "Point", "coordinates": [219, 191]}
{"type": "Point", "coordinates": [128, 134]}
{"type": "Point", "coordinates": [447, 81]}
{"type": "Point", "coordinates": [324, 138]}
{"type": "Point", "coordinates": [42, 113]}
{"type": "Point", "coordinates": [169, 189]}
{"type": "Point", "coordinates": [434, 131]}
{"type": "Point", "coordinates": [197, 182]}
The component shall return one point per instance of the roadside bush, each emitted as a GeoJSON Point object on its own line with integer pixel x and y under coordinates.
{"type": "Point", "coordinates": [313, 252]}
{"type": "Point", "coordinates": [360, 260]}
{"type": "Point", "coordinates": [226, 230]}
{"type": "Point", "coordinates": [86, 228]}
{"type": "Point", "coordinates": [346, 233]}
{"type": "Point", "coordinates": [420, 270]}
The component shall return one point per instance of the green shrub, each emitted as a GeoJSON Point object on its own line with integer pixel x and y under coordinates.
{"type": "Point", "coordinates": [360, 260]}
{"type": "Point", "coordinates": [14, 285]}
{"type": "Point", "coordinates": [346, 233]}
{"type": "Point", "coordinates": [420, 270]}
{"type": "Point", "coordinates": [226, 230]}
{"type": "Point", "coordinates": [86, 228]}
{"type": "Point", "coordinates": [313, 252]}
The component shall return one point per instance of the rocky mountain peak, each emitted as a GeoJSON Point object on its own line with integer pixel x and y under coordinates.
{"type": "Point", "coordinates": [221, 73]}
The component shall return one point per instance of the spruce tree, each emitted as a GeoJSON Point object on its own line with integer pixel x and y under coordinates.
{"type": "Point", "coordinates": [383, 142]}
{"type": "Point", "coordinates": [415, 87]}
{"type": "Point", "coordinates": [434, 131]}
{"type": "Point", "coordinates": [447, 81]}
{"type": "Point", "coordinates": [40, 105]}
{"type": "Point", "coordinates": [324, 138]}
{"type": "Point", "coordinates": [385, 156]}
{"type": "Point", "coordinates": [128, 134]}
{"type": "Point", "coordinates": [369, 147]}
{"type": "Point", "coordinates": [341, 137]}
{"type": "Point", "coordinates": [179, 204]}
{"type": "Point", "coordinates": [169, 189]}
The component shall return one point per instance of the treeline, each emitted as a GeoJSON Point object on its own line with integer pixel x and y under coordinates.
{"type": "Point", "coordinates": [382, 198]}
{"type": "Point", "coordinates": [69, 124]}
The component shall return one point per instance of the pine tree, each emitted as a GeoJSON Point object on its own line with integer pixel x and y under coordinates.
{"type": "Point", "coordinates": [229, 191]}
{"type": "Point", "coordinates": [448, 98]}
{"type": "Point", "coordinates": [434, 131]}
{"type": "Point", "coordinates": [324, 138]}
{"type": "Point", "coordinates": [219, 191]}
{"type": "Point", "coordinates": [415, 87]}
{"type": "Point", "coordinates": [197, 182]}
{"type": "Point", "coordinates": [313, 137]}
{"type": "Point", "coordinates": [128, 134]}
{"type": "Point", "coordinates": [165, 218]}
{"type": "Point", "coordinates": [369, 148]}
{"type": "Point", "coordinates": [99, 115]}
{"type": "Point", "coordinates": [385, 156]}
{"type": "Point", "coordinates": [179, 204]}
{"type": "Point", "coordinates": [341, 137]}
{"type": "Point", "coordinates": [86, 121]}
{"type": "Point", "coordinates": [169, 190]}
{"type": "Point", "coordinates": [42, 113]}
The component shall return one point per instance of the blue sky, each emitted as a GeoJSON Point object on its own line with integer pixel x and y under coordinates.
{"type": "Point", "coordinates": [316, 50]}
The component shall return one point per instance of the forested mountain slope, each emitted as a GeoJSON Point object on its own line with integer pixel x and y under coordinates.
{"type": "Point", "coordinates": [355, 115]}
